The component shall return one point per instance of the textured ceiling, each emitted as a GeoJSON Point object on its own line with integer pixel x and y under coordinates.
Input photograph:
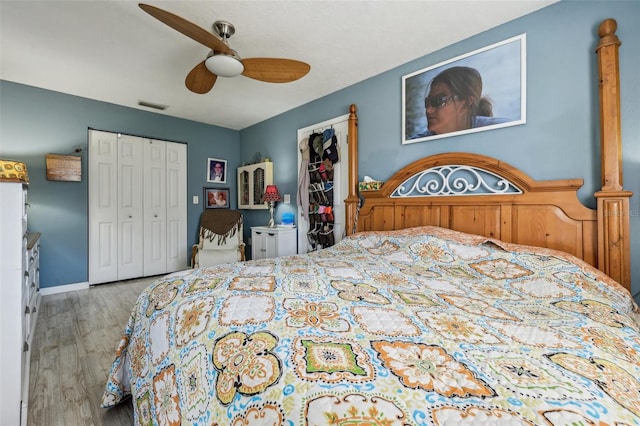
{"type": "Point", "coordinates": [113, 51]}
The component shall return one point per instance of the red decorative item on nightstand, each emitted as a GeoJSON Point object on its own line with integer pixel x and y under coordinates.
{"type": "Point", "coordinates": [271, 195]}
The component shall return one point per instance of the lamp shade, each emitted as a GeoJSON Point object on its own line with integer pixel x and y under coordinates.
{"type": "Point", "coordinates": [271, 194]}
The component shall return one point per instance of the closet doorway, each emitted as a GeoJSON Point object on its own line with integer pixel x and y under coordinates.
{"type": "Point", "coordinates": [340, 127]}
{"type": "Point", "coordinates": [137, 207]}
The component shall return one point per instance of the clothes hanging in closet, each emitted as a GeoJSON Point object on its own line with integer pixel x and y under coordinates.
{"type": "Point", "coordinates": [323, 154]}
{"type": "Point", "coordinates": [303, 179]}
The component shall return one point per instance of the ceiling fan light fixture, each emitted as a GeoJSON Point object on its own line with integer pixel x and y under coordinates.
{"type": "Point", "coordinates": [224, 61]}
{"type": "Point", "coordinates": [224, 65]}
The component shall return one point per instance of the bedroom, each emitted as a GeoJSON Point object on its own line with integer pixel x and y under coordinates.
{"type": "Point", "coordinates": [561, 123]}
{"type": "Point", "coordinates": [565, 127]}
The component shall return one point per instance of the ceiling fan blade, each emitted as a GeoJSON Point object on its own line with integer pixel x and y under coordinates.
{"type": "Point", "coordinates": [200, 80]}
{"type": "Point", "coordinates": [274, 70]}
{"type": "Point", "coordinates": [187, 28]}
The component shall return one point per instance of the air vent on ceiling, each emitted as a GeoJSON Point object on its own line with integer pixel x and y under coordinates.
{"type": "Point", "coordinates": [152, 105]}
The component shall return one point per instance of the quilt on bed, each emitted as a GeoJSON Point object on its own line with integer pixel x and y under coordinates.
{"type": "Point", "coordinates": [420, 326]}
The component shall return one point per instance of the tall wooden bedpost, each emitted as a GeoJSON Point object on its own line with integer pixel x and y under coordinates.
{"type": "Point", "coordinates": [613, 200]}
{"type": "Point", "coordinates": [351, 202]}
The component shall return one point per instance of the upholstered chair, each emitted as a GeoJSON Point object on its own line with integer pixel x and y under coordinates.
{"type": "Point", "coordinates": [220, 238]}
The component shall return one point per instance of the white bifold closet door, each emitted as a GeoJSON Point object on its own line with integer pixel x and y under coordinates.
{"type": "Point", "coordinates": [137, 207]}
{"type": "Point", "coordinates": [155, 217]}
{"type": "Point", "coordinates": [128, 208]}
{"type": "Point", "coordinates": [176, 207]}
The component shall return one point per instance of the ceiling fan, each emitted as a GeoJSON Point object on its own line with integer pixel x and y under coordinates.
{"type": "Point", "coordinates": [224, 61]}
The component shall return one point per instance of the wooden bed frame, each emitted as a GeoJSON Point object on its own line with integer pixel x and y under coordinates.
{"type": "Point", "coordinates": [540, 213]}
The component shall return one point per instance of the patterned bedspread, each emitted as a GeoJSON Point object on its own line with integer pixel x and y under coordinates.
{"type": "Point", "coordinates": [420, 326]}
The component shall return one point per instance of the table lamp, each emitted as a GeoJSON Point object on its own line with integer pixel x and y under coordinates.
{"type": "Point", "coordinates": [271, 195]}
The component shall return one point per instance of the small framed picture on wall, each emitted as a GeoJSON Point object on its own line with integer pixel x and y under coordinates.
{"type": "Point", "coordinates": [216, 170]}
{"type": "Point", "coordinates": [216, 198]}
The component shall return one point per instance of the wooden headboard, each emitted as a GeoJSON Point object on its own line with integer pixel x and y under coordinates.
{"type": "Point", "coordinates": [482, 195]}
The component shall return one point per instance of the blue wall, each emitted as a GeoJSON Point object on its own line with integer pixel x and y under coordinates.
{"type": "Point", "coordinates": [560, 139]}
{"type": "Point", "coordinates": [36, 122]}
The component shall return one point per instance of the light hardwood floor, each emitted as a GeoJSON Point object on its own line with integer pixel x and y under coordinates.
{"type": "Point", "coordinates": [73, 347]}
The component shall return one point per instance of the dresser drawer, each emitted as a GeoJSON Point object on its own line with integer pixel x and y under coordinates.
{"type": "Point", "coordinates": [26, 284]}
{"type": "Point", "coordinates": [32, 245]}
{"type": "Point", "coordinates": [26, 318]}
{"type": "Point", "coordinates": [33, 278]}
{"type": "Point", "coordinates": [31, 291]}
{"type": "Point", "coordinates": [25, 252]}
{"type": "Point", "coordinates": [34, 253]}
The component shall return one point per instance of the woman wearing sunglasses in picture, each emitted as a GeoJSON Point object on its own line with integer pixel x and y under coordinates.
{"type": "Point", "coordinates": [455, 102]}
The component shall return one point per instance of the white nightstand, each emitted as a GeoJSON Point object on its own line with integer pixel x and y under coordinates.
{"type": "Point", "coordinates": [273, 242]}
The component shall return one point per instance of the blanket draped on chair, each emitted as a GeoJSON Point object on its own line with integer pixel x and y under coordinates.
{"type": "Point", "coordinates": [222, 223]}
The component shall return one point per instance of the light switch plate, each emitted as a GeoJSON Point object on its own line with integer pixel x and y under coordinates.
{"type": "Point", "coordinates": [287, 198]}
{"type": "Point", "coordinates": [196, 199]}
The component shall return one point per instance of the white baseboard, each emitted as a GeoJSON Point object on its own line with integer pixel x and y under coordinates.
{"type": "Point", "coordinates": [46, 291]}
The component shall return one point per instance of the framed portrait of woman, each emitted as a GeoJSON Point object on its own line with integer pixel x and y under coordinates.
{"type": "Point", "coordinates": [216, 170]}
{"type": "Point", "coordinates": [216, 198]}
{"type": "Point", "coordinates": [478, 91]}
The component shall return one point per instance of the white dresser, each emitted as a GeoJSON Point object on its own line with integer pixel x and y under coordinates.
{"type": "Point", "coordinates": [272, 242]}
{"type": "Point", "coordinates": [19, 301]}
